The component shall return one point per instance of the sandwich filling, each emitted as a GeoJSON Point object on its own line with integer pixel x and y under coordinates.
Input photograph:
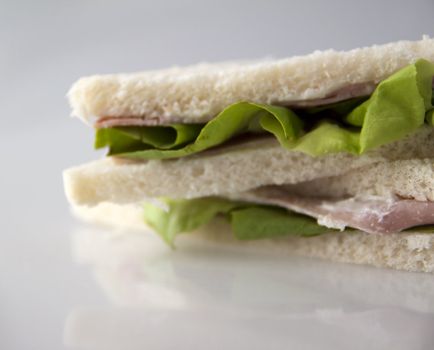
{"type": "Point", "coordinates": [354, 120]}
{"type": "Point", "coordinates": [398, 106]}
{"type": "Point", "coordinates": [271, 212]}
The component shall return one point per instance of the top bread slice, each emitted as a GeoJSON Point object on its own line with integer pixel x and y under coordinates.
{"type": "Point", "coordinates": [197, 93]}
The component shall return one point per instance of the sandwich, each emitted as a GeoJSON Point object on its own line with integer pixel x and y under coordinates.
{"type": "Point", "coordinates": [328, 155]}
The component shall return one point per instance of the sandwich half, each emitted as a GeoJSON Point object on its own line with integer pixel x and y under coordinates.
{"type": "Point", "coordinates": [328, 155]}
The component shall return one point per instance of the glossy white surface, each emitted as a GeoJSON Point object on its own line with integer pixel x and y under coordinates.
{"type": "Point", "coordinates": [68, 286]}
{"type": "Point", "coordinates": [226, 298]}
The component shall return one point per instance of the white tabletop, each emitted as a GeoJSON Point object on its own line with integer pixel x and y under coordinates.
{"type": "Point", "coordinates": [66, 285]}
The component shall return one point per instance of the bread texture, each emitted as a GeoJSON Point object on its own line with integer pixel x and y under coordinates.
{"type": "Point", "coordinates": [233, 169]}
{"type": "Point", "coordinates": [413, 178]}
{"type": "Point", "coordinates": [403, 251]}
{"type": "Point", "coordinates": [197, 93]}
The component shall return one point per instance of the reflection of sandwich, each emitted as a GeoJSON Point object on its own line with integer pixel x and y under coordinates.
{"type": "Point", "coordinates": [335, 145]}
{"type": "Point", "coordinates": [137, 270]}
{"type": "Point", "coordinates": [150, 289]}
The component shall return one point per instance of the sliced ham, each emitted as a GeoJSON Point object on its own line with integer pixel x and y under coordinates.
{"type": "Point", "coordinates": [369, 214]}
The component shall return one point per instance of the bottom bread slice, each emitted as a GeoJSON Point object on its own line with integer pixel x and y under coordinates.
{"type": "Point", "coordinates": [410, 251]}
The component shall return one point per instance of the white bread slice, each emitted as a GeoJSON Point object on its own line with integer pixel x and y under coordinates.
{"type": "Point", "coordinates": [402, 251]}
{"type": "Point", "coordinates": [413, 178]}
{"type": "Point", "coordinates": [226, 170]}
{"type": "Point", "coordinates": [198, 93]}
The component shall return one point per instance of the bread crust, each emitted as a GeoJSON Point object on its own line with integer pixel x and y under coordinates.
{"type": "Point", "coordinates": [197, 93]}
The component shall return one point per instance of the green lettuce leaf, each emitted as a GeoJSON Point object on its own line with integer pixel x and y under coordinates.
{"type": "Point", "coordinates": [185, 215]}
{"type": "Point", "coordinates": [239, 118]}
{"type": "Point", "coordinates": [258, 222]}
{"type": "Point", "coordinates": [399, 105]}
{"type": "Point", "coordinates": [248, 221]}
{"type": "Point", "coordinates": [129, 139]}
{"type": "Point", "coordinates": [396, 108]}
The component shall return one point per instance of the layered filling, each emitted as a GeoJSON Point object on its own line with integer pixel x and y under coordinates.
{"type": "Point", "coordinates": [397, 107]}
{"type": "Point", "coordinates": [270, 212]}
{"type": "Point", "coordinates": [355, 119]}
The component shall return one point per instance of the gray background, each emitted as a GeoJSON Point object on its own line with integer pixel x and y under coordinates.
{"type": "Point", "coordinates": [46, 45]}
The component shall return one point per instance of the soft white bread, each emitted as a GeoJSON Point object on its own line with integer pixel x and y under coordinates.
{"type": "Point", "coordinates": [197, 93]}
{"type": "Point", "coordinates": [110, 179]}
{"type": "Point", "coordinates": [412, 178]}
{"type": "Point", "coordinates": [235, 169]}
{"type": "Point", "coordinates": [403, 251]}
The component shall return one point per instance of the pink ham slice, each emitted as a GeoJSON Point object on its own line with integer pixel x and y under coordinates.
{"type": "Point", "coordinates": [370, 214]}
